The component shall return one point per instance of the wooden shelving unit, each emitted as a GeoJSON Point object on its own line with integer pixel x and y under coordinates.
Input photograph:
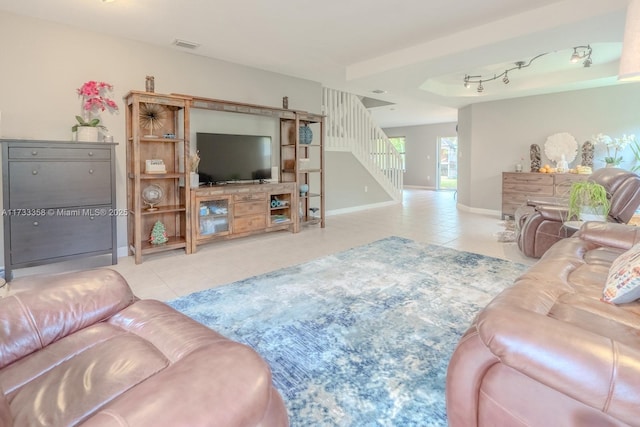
{"type": "Point", "coordinates": [291, 150]}
{"type": "Point", "coordinates": [303, 164]}
{"type": "Point", "coordinates": [174, 208]}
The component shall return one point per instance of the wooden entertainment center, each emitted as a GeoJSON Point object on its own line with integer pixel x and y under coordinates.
{"type": "Point", "coordinates": [237, 210]}
{"type": "Point", "coordinates": [194, 216]}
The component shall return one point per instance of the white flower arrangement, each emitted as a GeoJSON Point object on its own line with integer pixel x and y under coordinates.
{"type": "Point", "coordinates": [614, 144]}
{"type": "Point", "coordinates": [559, 145]}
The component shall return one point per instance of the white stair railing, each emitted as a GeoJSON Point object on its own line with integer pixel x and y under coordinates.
{"type": "Point", "coordinates": [350, 128]}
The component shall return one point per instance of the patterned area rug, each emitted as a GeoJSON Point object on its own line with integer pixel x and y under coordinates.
{"type": "Point", "coordinates": [362, 337]}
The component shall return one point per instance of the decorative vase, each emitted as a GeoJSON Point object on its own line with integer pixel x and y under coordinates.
{"type": "Point", "coordinates": [306, 135]}
{"type": "Point", "coordinates": [304, 188]}
{"type": "Point", "coordinates": [87, 134]}
{"type": "Point", "coordinates": [194, 179]}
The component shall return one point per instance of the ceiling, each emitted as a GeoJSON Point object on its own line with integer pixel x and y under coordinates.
{"type": "Point", "coordinates": [416, 51]}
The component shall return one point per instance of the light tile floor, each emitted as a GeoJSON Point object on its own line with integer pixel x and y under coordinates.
{"type": "Point", "coordinates": [425, 216]}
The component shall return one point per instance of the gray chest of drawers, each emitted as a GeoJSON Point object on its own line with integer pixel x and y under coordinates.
{"type": "Point", "coordinates": [58, 202]}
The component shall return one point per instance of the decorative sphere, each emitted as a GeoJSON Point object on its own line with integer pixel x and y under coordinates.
{"type": "Point", "coordinates": [306, 135]}
{"type": "Point", "coordinates": [152, 195]}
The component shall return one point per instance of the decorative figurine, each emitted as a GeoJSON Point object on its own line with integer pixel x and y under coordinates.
{"type": "Point", "coordinates": [149, 84]}
{"type": "Point", "coordinates": [534, 152]}
{"type": "Point", "coordinates": [587, 154]}
{"type": "Point", "coordinates": [158, 234]}
{"type": "Point", "coordinates": [285, 102]}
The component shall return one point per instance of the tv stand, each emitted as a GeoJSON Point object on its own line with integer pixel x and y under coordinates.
{"type": "Point", "coordinates": [231, 211]}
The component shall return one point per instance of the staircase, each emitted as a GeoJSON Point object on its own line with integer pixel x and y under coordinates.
{"type": "Point", "coordinates": [350, 128]}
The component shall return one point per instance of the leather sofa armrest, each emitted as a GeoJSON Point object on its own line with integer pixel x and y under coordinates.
{"type": "Point", "coordinates": [57, 306]}
{"type": "Point", "coordinates": [548, 201]}
{"type": "Point", "coordinates": [590, 368]}
{"type": "Point", "coordinates": [610, 234]}
{"type": "Point", "coordinates": [553, 213]}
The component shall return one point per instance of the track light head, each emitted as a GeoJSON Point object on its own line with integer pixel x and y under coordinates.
{"type": "Point", "coordinates": [505, 79]}
{"type": "Point", "coordinates": [575, 57]}
{"type": "Point", "coordinates": [480, 87]}
{"type": "Point", "coordinates": [587, 62]}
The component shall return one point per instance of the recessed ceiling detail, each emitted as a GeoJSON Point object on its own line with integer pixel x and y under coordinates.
{"type": "Point", "coordinates": [186, 44]}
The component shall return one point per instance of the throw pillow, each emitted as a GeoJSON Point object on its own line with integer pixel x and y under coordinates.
{"type": "Point", "coordinates": [623, 281]}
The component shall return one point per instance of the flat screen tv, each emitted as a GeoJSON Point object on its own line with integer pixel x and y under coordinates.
{"type": "Point", "coordinates": [228, 158]}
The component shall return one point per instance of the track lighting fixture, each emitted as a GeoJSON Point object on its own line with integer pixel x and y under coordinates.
{"type": "Point", "coordinates": [579, 52]}
{"type": "Point", "coordinates": [582, 52]}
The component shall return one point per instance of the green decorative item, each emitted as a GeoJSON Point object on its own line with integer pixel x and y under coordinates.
{"type": "Point", "coordinates": [588, 201]}
{"type": "Point", "coordinates": [158, 234]}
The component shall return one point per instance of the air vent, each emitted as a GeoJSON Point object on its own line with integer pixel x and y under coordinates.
{"type": "Point", "coordinates": [186, 44]}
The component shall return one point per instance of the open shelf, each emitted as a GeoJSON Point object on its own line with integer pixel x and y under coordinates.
{"type": "Point", "coordinates": [172, 243]}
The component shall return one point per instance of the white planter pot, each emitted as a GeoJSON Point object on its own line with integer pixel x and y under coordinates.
{"type": "Point", "coordinates": [87, 134]}
{"type": "Point", "coordinates": [592, 214]}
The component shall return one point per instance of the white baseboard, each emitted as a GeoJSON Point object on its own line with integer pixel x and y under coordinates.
{"type": "Point", "coordinates": [362, 207]}
{"type": "Point", "coordinates": [420, 187]}
{"type": "Point", "coordinates": [489, 212]}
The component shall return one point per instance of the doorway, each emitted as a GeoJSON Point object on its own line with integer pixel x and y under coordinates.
{"type": "Point", "coordinates": [448, 163]}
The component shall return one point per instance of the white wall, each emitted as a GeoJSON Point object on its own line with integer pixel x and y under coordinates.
{"type": "Point", "coordinates": [494, 136]}
{"type": "Point", "coordinates": [43, 64]}
{"type": "Point", "coordinates": [352, 186]}
{"type": "Point", "coordinates": [421, 151]}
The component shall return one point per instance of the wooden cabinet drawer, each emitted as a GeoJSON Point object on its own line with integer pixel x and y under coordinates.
{"type": "Point", "coordinates": [249, 223]}
{"type": "Point", "coordinates": [249, 197]}
{"type": "Point", "coordinates": [58, 235]}
{"type": "Point", "coordinates": [527, 178]}
{"type": "Point", "coordinates": [540, 190]}
{"type": "Point", "coordinates": [56, 184]}
{"type": "Point", "coordinates": [59, 153]}
{"type": "Point", "coordinates": [241, 209]}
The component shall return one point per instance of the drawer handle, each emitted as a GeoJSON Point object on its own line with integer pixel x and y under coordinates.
{"type": "Point", "coordinates": [36, 223]}
{"type": "Point", "coordinates": [91, 171]}
{"type": "Point", "coordinates": [90, 153]}
{"type": "Point", "coordinates": [34, 153]}
{"type": "Point", "coordinates": [34, 172]}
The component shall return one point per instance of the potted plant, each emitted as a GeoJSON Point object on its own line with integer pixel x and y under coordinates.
{"type": "Point", "coordinates": [94, 99]}
{"type": "Point", "coordinates": [588, 201]}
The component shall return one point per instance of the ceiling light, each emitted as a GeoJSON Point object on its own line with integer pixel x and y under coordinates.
{"type": "Point", "coordinates": [582, 52]}
{"type": "Point", "coordinates": [575, 57]}
{"type": "Point", "coordinates": [379, 91]}
{"type": "Point", "coordinates": [630, 59]}
{"type": "Point", "coordinates": [108, 1]}
{"type": "Point", "coordinates": [579, 52]}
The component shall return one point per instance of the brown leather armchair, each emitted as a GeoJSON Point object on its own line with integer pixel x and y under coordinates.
{"type": "Point", "coordinates": [540, 224]}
